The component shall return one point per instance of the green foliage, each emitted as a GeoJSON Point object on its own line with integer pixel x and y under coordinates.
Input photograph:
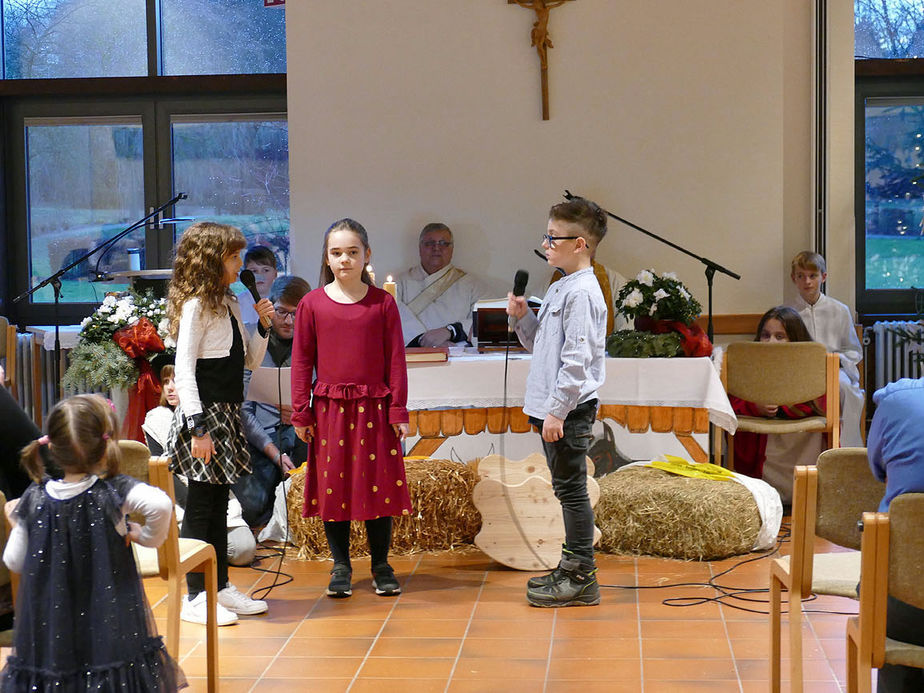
{"type": "Point", "coordinates": [657, 296]}
{"type": "Point", "coordinates": [100, 366]}
{"type": "Point", "coordinates": [629, 344]}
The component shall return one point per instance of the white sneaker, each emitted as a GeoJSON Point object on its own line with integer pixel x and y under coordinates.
{"type": "Point", "coordinates": [195, 611]}
{"type": "Point", "coordinates": [240, 603]}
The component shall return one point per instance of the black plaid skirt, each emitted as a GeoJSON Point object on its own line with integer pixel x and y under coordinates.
{"type": "Point", "coordinates": [231, 458]}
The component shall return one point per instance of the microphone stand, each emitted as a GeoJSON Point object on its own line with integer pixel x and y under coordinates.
{"type": "Point", "coordinates": [711, 266]}
{"type": "Point", "coordinates": [55, 281]}
{"type": "Point", "coordinates": [711, 269]}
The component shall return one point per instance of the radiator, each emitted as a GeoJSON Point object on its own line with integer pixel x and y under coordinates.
{"type": "Point", "coordinates": [27, 351]}
{"type": "Point", "coordinates": [899, 351]}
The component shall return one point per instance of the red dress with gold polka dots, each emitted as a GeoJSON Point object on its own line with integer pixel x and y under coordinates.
{"type": "Point", "coordinates": [356, 352]}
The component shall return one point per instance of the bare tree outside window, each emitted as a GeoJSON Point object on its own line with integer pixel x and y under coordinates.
{"type": "Point", "coordinates": [889, 28]}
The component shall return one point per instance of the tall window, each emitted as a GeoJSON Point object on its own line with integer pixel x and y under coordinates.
{"type": "Point", "coordinates": [83, 162]}
{"type": "Point", "coordinates": [889, 154]}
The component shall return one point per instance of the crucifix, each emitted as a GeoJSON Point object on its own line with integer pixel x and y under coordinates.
{"type": "Point", "coordinates": [540, 38]}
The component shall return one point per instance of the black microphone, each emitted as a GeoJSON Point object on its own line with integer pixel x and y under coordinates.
{"type": "Point", "coordinates": [249, 281]}
{"type": "Point", "coordinates": [519, 288]}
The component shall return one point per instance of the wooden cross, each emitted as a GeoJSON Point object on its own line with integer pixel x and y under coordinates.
{"type": "Point", "coordinates": [539, 37]}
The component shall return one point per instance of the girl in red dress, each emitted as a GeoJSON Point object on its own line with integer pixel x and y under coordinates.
{"type": "Point", "coordinates": [354, 415]}
{"type": "Point", "coordinates": [780, 324]}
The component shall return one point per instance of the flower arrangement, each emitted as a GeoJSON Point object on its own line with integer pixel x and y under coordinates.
{"type": "Point", "coordinates": [657, 297]}
{"type": "Point", "coordinates": [113, 340]}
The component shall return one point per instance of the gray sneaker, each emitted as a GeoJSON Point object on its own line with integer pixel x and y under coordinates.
{"type": "Point", "coordinates": [340, 585]}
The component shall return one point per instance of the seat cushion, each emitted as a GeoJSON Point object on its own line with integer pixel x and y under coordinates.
{"type": "Point", "coordinates": [836, 574]}
{"type": "Point", "coordinates": [756, 424]}
{"type": "Point", "coordinates": [904, 653]}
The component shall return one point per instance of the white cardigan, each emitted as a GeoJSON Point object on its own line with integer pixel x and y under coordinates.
{"type": "Point", "coordinates": [205, 335]}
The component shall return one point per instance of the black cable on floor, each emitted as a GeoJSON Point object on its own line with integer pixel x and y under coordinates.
{"type": "Point", "coordinates": [727, 592]}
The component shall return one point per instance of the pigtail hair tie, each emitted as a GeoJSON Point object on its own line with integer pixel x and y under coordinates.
{"type": "Point", "coordinates": [105, 436]}
{"type": "Point", "coordinates": [43, 440]}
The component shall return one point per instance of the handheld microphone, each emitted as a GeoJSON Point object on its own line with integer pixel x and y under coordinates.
{"type": "Point", "coordinates": [519, 288]}
{"type": "Point", "coordinates": [250, 282]}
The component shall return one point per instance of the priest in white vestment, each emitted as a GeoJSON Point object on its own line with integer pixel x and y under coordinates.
{"type": "Point", "coordinates": [435, 298]}
{"type": "Point", "coordinates": [830, 322]}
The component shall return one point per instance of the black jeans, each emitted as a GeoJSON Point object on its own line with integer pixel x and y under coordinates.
{"type": "Point", "coordinates": [903, 623]}
{"type": "Point", "coordinates": [206, 518]}
{"type": "Point", "coordinates": [567, 463]}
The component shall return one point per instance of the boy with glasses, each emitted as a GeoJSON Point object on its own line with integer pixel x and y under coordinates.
{"type": "Point", "coordinates": [274, 448]}
{"type": "Point", "coordinates": [567, 341]}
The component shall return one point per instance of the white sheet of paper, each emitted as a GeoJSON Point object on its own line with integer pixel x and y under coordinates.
{"type": "Point", "coordinates": [266, 384]}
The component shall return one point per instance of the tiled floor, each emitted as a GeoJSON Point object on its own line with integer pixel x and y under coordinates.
{"type": "Point", "coordinates": [462, 624]}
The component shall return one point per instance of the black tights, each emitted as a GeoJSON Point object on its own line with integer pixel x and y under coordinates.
{"type": "Point", "coordinates": [206, 518]}
{"type": "Point", "coordinates": [378, 531]}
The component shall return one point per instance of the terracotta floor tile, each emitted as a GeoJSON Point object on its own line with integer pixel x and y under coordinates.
{"type": "Point", "coordinates": [511, 648]}
{"type": "Point", "coordinates": [691, 686]}
{"type": "Point", "coordinates": [689, 669]}
{"type": "Point", "coordinates": [326, 647]}
{"type": "Point", "coordinates": [232, 667]}
{"type": "Point", "coordinates": [759, 669]}
{"type": "Point", "coordinates": [430, 628]}
{"type": "Point", "coordinates": [488, 686]}
{"type": "Point", "coordinates": [400, 667]}
{"type": "Point", "coordinates": [226, 685]}
{"type": "Point", "coordinates": [596, 629]}
{"type": "Point", "coordinates": [595, 669]}
{"type": "Point", "coordinates": [602, 648]}
{"type": "Point", "coordinates": [500, 669]}
{"type": "Point", "coordinates": [685, 648]}
{"type": "Point", "coordinates": [656, 611]}
{"type": "Point", "coordinates": [683, 629]}
{"type": "Point", "coordinates": [416, 647]}
{"type": "Point", "coordinates": [522, 628]}
{"type": "Point", "coordinates": [580, 686]}
{"type": "Point", "coordinates": [415, 612]}
{"type": "Point", "coordinates": [302, 684]}
{"type": "Point", "coordinates": [314, 667]}
{"type": "Point", "coordinates": [373, 685]}
{"type": "Point", "coordinates": [337, 628]}
{"type": "Point", "coordinates": [244, 647]}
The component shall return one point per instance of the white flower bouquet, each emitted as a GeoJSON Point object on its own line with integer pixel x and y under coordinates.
{"type": "Point", "coordinates": [657, 297]}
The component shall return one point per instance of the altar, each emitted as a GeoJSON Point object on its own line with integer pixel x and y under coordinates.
{"type": "Point", "coordinates": [466, 395]}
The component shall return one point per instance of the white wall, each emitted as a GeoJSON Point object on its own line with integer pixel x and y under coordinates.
{"type": "Point", "coordinates": [689, 118]}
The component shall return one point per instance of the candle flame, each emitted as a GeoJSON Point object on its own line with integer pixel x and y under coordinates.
{"type": "Point", "coordinates": [388, 278]}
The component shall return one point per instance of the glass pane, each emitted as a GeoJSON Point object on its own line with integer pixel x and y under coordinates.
{"type": "Point", "coordinates": [235, 170]}
{"type": "Point", "coordinates": [889, 28]}
{"type": "Point", "coordinates": [219, 37]}
{"type": "Point", "coordinates": [894, 193]}
{"type": "Point", "coordinates": [74, 38]}
{"type": "Point", "coordinates": [84, 186]}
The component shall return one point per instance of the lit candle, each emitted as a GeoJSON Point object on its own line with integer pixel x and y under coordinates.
{"type": "Point", "coordinates": [389, 286]}
{"type": "Point", "coordinates": [371, 273]}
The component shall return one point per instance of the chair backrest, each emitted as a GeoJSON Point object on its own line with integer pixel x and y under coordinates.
{"type": "Point", "coordinates": [788, 373]}
{"type": "Point", "coordinates": [168, 553]}
{"type": "Point", "coordinates": [135, 458]}
{"type": "Point", "coordinates": [906, 548]}
{"type": "Point", "coordinates": [846, 490]}
{"type": "Point", "coordinates": [4, 323]}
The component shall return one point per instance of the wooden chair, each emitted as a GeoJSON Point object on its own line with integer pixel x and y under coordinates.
{"type": "Point", "coordinates": [828, 501]}
{"type": "Point", "coordinates": [789, 373]}
{"type": "Point", "coordinates": [8, 353]}
{"type": "Point", "coordinates": [893, 562]}
{"type": "Point", "coordinates": [135, 459]}
{"type": "Point", "coordinates": [172, 561]}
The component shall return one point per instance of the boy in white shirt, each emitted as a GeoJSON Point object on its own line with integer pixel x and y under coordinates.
{"type": "Point", "coordinates": [830, 322]}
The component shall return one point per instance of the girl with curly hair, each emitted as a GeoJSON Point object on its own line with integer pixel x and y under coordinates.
{"type": "Point", "coordinates": [206, 440]}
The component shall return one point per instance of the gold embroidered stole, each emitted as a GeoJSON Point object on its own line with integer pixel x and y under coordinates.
{"type": "Point", "coordinates": [432, 292]}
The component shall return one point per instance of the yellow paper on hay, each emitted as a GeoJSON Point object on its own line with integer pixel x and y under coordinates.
{"type": "Point", "coordinates": [695, 470]}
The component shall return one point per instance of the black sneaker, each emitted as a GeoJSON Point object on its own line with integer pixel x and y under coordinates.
{"type": "Point", "coordinates": [340, 585]}
{"type": "Point", "coordinates": [577, 586]}
{"type": "Point", "coordinates": [384, 581]}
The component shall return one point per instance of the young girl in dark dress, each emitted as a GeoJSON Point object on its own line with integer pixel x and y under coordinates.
{"type": "Point", "coordinates": [206, 440]}
{"type": "Point", "coordinates": [82, 620]}
{"type": "Point", "coordinates": [354, 415]}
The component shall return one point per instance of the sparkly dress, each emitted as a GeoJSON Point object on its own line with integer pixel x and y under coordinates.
{"type": "Point", "coordinates": [82, 620]}
{"type": "Point", "coordinates": [355, 464]}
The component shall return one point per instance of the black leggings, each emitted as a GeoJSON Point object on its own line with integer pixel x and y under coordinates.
{"type": "Point", "coordinates": [206, 518]}
{"type": "Point", "coordinates": [378, 531]}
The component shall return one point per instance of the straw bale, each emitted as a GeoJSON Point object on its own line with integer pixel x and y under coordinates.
{"type": "Point", "coordinates": [647, 511]}
{"type": "Point", "coordinates": [444, 516]}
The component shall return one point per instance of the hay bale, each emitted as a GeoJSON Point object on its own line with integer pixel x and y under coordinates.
{"type": "Point", "coordinates": [444, 516]}
{"type": "Point", "coordinates": [647, 511]}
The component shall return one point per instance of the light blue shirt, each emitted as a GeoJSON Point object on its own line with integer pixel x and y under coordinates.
{"type": "Point", "coordinates": [567, 341]}
{"type": "Point", "coordinates": [895, 444]}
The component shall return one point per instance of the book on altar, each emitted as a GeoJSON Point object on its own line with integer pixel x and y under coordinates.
{"type": "Point", "coordinates": [423, 354]}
